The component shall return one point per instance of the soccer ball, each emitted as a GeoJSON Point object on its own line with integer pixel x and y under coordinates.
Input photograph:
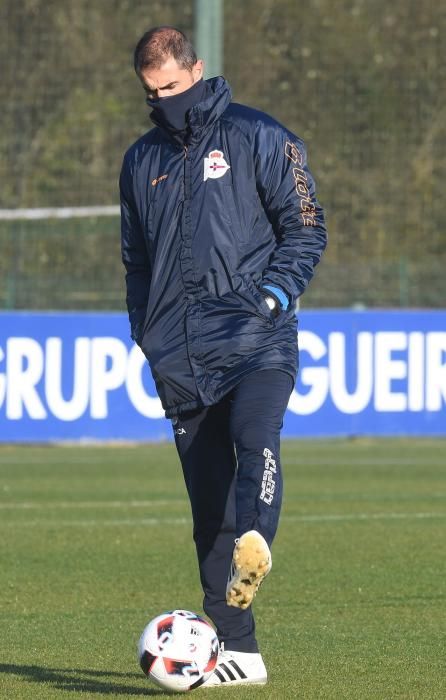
{"type": "Point", "coordinates": [178, 650]}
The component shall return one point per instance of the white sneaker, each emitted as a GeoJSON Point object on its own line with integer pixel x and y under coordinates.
{"type": "Point", "coordinates": [237, 668]}
{"type": "Point", "coordinates": [251, 562]}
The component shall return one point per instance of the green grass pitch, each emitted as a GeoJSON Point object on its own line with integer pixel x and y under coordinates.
{"type": "Point", "coordinates": [95, 541]}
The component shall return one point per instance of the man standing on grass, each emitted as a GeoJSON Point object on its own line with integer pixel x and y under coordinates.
{"type": "Point", "coordinates": [221, 232]}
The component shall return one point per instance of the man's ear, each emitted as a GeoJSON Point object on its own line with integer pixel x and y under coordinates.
{"type": "Point", "coordinates": [198, 70]}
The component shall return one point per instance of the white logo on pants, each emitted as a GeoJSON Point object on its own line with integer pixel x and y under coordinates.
{"type": "Point", "coordinates": [268, 483]}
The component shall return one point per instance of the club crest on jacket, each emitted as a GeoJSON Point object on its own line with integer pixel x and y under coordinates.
{"type": "Point", "coordinates": [215, 165]}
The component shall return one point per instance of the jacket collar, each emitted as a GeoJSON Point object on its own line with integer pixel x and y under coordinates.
{"type": "Point", "coordinates": [202, 116]}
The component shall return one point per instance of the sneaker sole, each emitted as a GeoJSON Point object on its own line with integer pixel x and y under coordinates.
{"type": "Point", "coordinates": [262, 681]}
{"type": "Point", "coordinates": [252, 562]}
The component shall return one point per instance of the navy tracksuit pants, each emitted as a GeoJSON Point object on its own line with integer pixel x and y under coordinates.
{"type": "Point", "coordinates": [229, 453]}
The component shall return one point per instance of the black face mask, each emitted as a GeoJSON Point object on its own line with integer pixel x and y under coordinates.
{"type": "Point", "coordinates": [172, 111]}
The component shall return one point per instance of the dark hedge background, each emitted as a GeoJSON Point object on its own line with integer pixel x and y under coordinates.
{"type": "Point", "coordinates": [362, 81]}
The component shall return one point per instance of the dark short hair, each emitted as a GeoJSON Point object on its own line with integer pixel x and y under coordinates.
{"type": "Point", "coordinates": [157, 45]}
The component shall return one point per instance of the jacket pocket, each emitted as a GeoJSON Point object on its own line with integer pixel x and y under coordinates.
{"type": "Point", "coordinates": [247, 289]}
{"type": "Point", "coordinates": [262, 308]}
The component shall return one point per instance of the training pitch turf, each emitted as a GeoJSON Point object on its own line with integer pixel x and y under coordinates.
{"type": "Point", "coordinates": [95, 541]}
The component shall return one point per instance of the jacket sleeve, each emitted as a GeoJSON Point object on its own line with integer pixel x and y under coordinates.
{"type": "Point", "coordinates": [287, 191]}
{"type": "Point", "coordinates": [134, 256]}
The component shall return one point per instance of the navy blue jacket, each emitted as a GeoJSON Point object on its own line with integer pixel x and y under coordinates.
{"type": "Point", "coordinates": [204, 226]}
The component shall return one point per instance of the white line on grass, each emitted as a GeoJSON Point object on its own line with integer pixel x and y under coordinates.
{"type": "Point", "coordinates": [378, 461]}
{"type": "Point", "coordinates": [49, 505]}
{"type": "Point", "coordinates": [331, 460]}
{"type": "Point", "coordinates": [151, 522]}
{"type": "Point", "coordinates": [72, 505]}
{"type": "Point", "coordinates": [118, 522]}
{"type": "Point", "coordinates": [362, 516]}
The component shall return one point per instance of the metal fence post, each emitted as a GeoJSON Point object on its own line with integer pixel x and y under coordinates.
{"type": "Point", "coordinates": [208, 22]}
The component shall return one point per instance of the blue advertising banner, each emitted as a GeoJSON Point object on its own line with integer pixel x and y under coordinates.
{"type": "Point", "coordinates": [78, 376]}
